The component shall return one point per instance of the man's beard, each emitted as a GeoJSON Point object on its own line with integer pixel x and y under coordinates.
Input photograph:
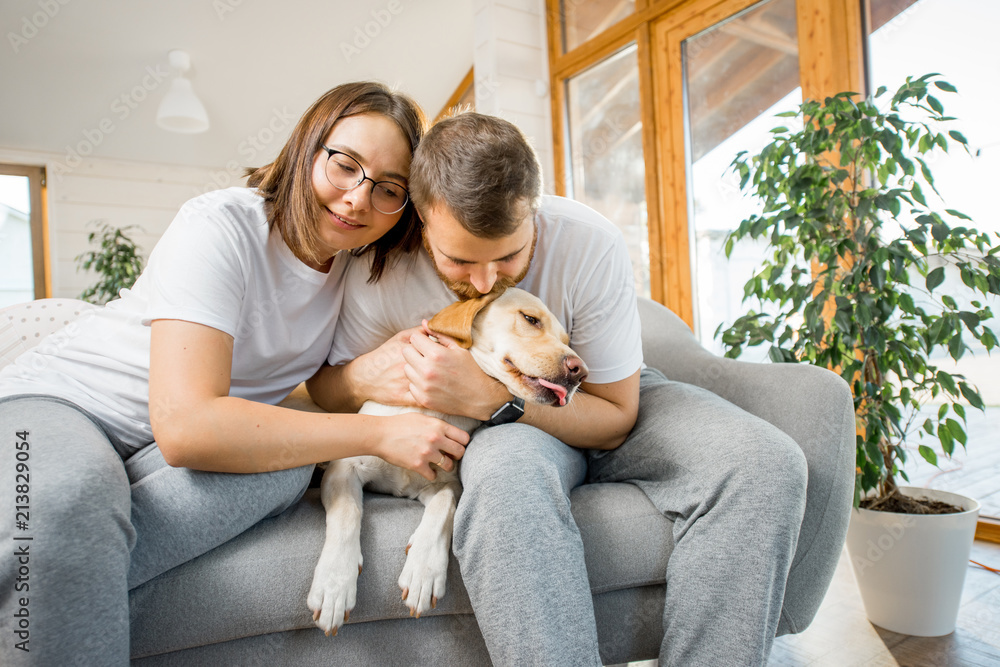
{"type": "Point", "coordinates": [465, 291]}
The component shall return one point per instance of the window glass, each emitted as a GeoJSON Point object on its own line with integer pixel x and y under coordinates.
{"type": "Point", "coordinates": [584, 19]}
{"type": "Point", "coordinates": [738, 75]}
{"type": "Point", "coordinates": [17, 282]}
{"type": "Point", "coordinates": [605, 167]}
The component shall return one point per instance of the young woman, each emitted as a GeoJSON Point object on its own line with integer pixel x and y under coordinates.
{"type": "Point", "coordinates": [135, 424]}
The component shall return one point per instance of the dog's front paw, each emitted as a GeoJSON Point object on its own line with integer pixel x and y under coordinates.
{"type": "Point", "coordinates": [334, 588]}
{"type": "Point", "coordinates": [425, 573]}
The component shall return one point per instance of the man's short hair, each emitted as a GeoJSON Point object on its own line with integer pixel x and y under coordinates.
{"type": "Point", "coordinates": [482, 168]}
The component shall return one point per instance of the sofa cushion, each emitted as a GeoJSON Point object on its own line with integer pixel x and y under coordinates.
{"type": "Point", "coordinates": [257, 583]}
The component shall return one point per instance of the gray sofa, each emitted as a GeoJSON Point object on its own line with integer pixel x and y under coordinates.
{"type": "Point", "coordinates": [245, 602]}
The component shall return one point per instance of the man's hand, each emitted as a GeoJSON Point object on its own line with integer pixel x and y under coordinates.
{"type": "Point", "coordinates": [443, 376]}
{"type": "Point", "coordinates": [379, 375]}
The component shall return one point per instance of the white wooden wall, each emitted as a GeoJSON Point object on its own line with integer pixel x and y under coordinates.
{"type": "Point", "coordinates": [511, 65]}
{"type": "Point", "coordinates": [512, 71]}
{"type": "Point", "coordinates": [119, 192]}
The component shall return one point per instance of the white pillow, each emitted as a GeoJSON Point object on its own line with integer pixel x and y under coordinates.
{"type": "Point", "coordinates": [24, 325]}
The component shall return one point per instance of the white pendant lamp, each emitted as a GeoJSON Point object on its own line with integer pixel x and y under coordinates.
{"type": "Point", "coordinates": [181, 110]}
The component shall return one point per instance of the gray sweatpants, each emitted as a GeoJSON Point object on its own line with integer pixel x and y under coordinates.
{"type": "Point", "coordinates": [83, 521]}
{"type": "Point", "coordinates": [734, 486]}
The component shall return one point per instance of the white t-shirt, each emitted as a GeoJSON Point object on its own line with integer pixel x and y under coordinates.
{"type": "Point", "coordinates": [581, 270]}
{"type": "Point", "coordinates": [218, 265]}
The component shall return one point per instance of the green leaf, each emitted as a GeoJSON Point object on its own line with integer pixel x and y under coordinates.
{"type": "Point", "coordinates": [929, 454]}
{"type": "Point", "coordinates": [957, 431]}
{"type": "Point", "coordinates": [935, 278]}
{"type": "Point", "coordinates": [946, 380]}
{"type": "Point", "coordinates": [947, 441]}
{"type": "Point", "coordinates": [971, 395]}
{"type": "Point", "coordinates": [971, 320]}
{"type": "Point", "coordinates": [958, 136]}
{"type": "Point", "coordinates": [945, 86]}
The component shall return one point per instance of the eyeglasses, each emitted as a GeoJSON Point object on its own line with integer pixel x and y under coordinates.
{"type": "Point", "coordinates": [346, 173]}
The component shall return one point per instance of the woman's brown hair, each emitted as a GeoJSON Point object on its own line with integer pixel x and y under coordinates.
{"type": "Point", "coordinates": [286, 183]}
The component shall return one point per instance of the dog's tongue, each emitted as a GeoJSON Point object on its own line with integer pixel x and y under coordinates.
{"type": "Point", "coordinates": [559, 390]}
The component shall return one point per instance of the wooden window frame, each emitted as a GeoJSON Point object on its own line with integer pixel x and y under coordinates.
{"type": "Point", "coordinates": [831, 59]}
{"type": "Point", "coordinates": [38, 220]}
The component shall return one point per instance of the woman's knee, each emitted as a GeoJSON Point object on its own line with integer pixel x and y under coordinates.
{"type": "Point", "coordinates": [295, 481]}
{"type": "Point", "coordinates": [76, 480]}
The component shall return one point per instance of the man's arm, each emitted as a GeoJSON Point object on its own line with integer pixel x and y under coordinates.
{"type": "Point", "coordinates": [378, 376]}
{"type": "Point", "coordinates": [445, 377]}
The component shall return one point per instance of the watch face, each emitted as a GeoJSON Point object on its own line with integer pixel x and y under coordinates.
{"type": "Point", "coordinates": [510, 412]}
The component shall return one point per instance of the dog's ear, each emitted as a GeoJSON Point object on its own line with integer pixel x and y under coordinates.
{"type": "Point", "coordinates": [456, 320]}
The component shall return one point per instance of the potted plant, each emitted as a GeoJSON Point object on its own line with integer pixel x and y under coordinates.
{"type": "Point", "coordinates": [854, 282]}
{"type": "Point", "coordinates": [118, 262]}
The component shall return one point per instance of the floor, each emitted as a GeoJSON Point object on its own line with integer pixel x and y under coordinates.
{"type": "Point", "coordinates": [841, 636]}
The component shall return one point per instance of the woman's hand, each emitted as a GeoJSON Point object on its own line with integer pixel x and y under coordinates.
{"type": "Point", "coordinates": [414, 441]}
{"type": "Point", "coordinates": [444, 377]}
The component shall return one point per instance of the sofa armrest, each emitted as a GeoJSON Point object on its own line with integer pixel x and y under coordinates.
{"type": "Point", "coordinates": [810, 404]}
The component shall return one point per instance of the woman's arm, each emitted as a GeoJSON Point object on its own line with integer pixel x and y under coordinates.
{"type": "Point", "coordinates": [444, 377]}
{"type": "Point", "coordinates": [198, 425]}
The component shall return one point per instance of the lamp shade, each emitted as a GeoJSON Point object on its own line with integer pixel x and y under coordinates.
{"type": "Point", "coordinates": [181, 110]}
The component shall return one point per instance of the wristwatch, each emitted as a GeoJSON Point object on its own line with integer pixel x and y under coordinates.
{"type": "Point", "coordinates": [509, 412]}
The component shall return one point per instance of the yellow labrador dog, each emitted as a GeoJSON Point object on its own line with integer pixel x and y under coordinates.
{"type": "Point", "coordinates": [515, 339]}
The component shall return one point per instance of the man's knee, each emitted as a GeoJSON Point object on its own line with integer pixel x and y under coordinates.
{"type": "Point", "coordinates": [772, 467]}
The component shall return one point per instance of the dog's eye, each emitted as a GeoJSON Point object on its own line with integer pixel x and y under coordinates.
{"type": "Point", "coordinates": [533, 321]}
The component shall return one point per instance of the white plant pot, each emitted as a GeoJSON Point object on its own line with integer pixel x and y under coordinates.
{"type": "Point", "coordinates": [911, 568]}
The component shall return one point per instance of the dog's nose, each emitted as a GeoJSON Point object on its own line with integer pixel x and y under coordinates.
{"type": "Point", "coordinates": [576, 370]}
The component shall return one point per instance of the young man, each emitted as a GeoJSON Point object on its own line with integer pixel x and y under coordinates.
{"type": "Point", "coordinates": [720, 474]}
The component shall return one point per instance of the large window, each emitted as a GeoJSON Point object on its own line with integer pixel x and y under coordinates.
{"type": "Point", "coordinates": [22, 236]}
{"type": "Point", "coordinates": [737, 75]}
{"type": "Point", "coordinates": [653, 98]}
